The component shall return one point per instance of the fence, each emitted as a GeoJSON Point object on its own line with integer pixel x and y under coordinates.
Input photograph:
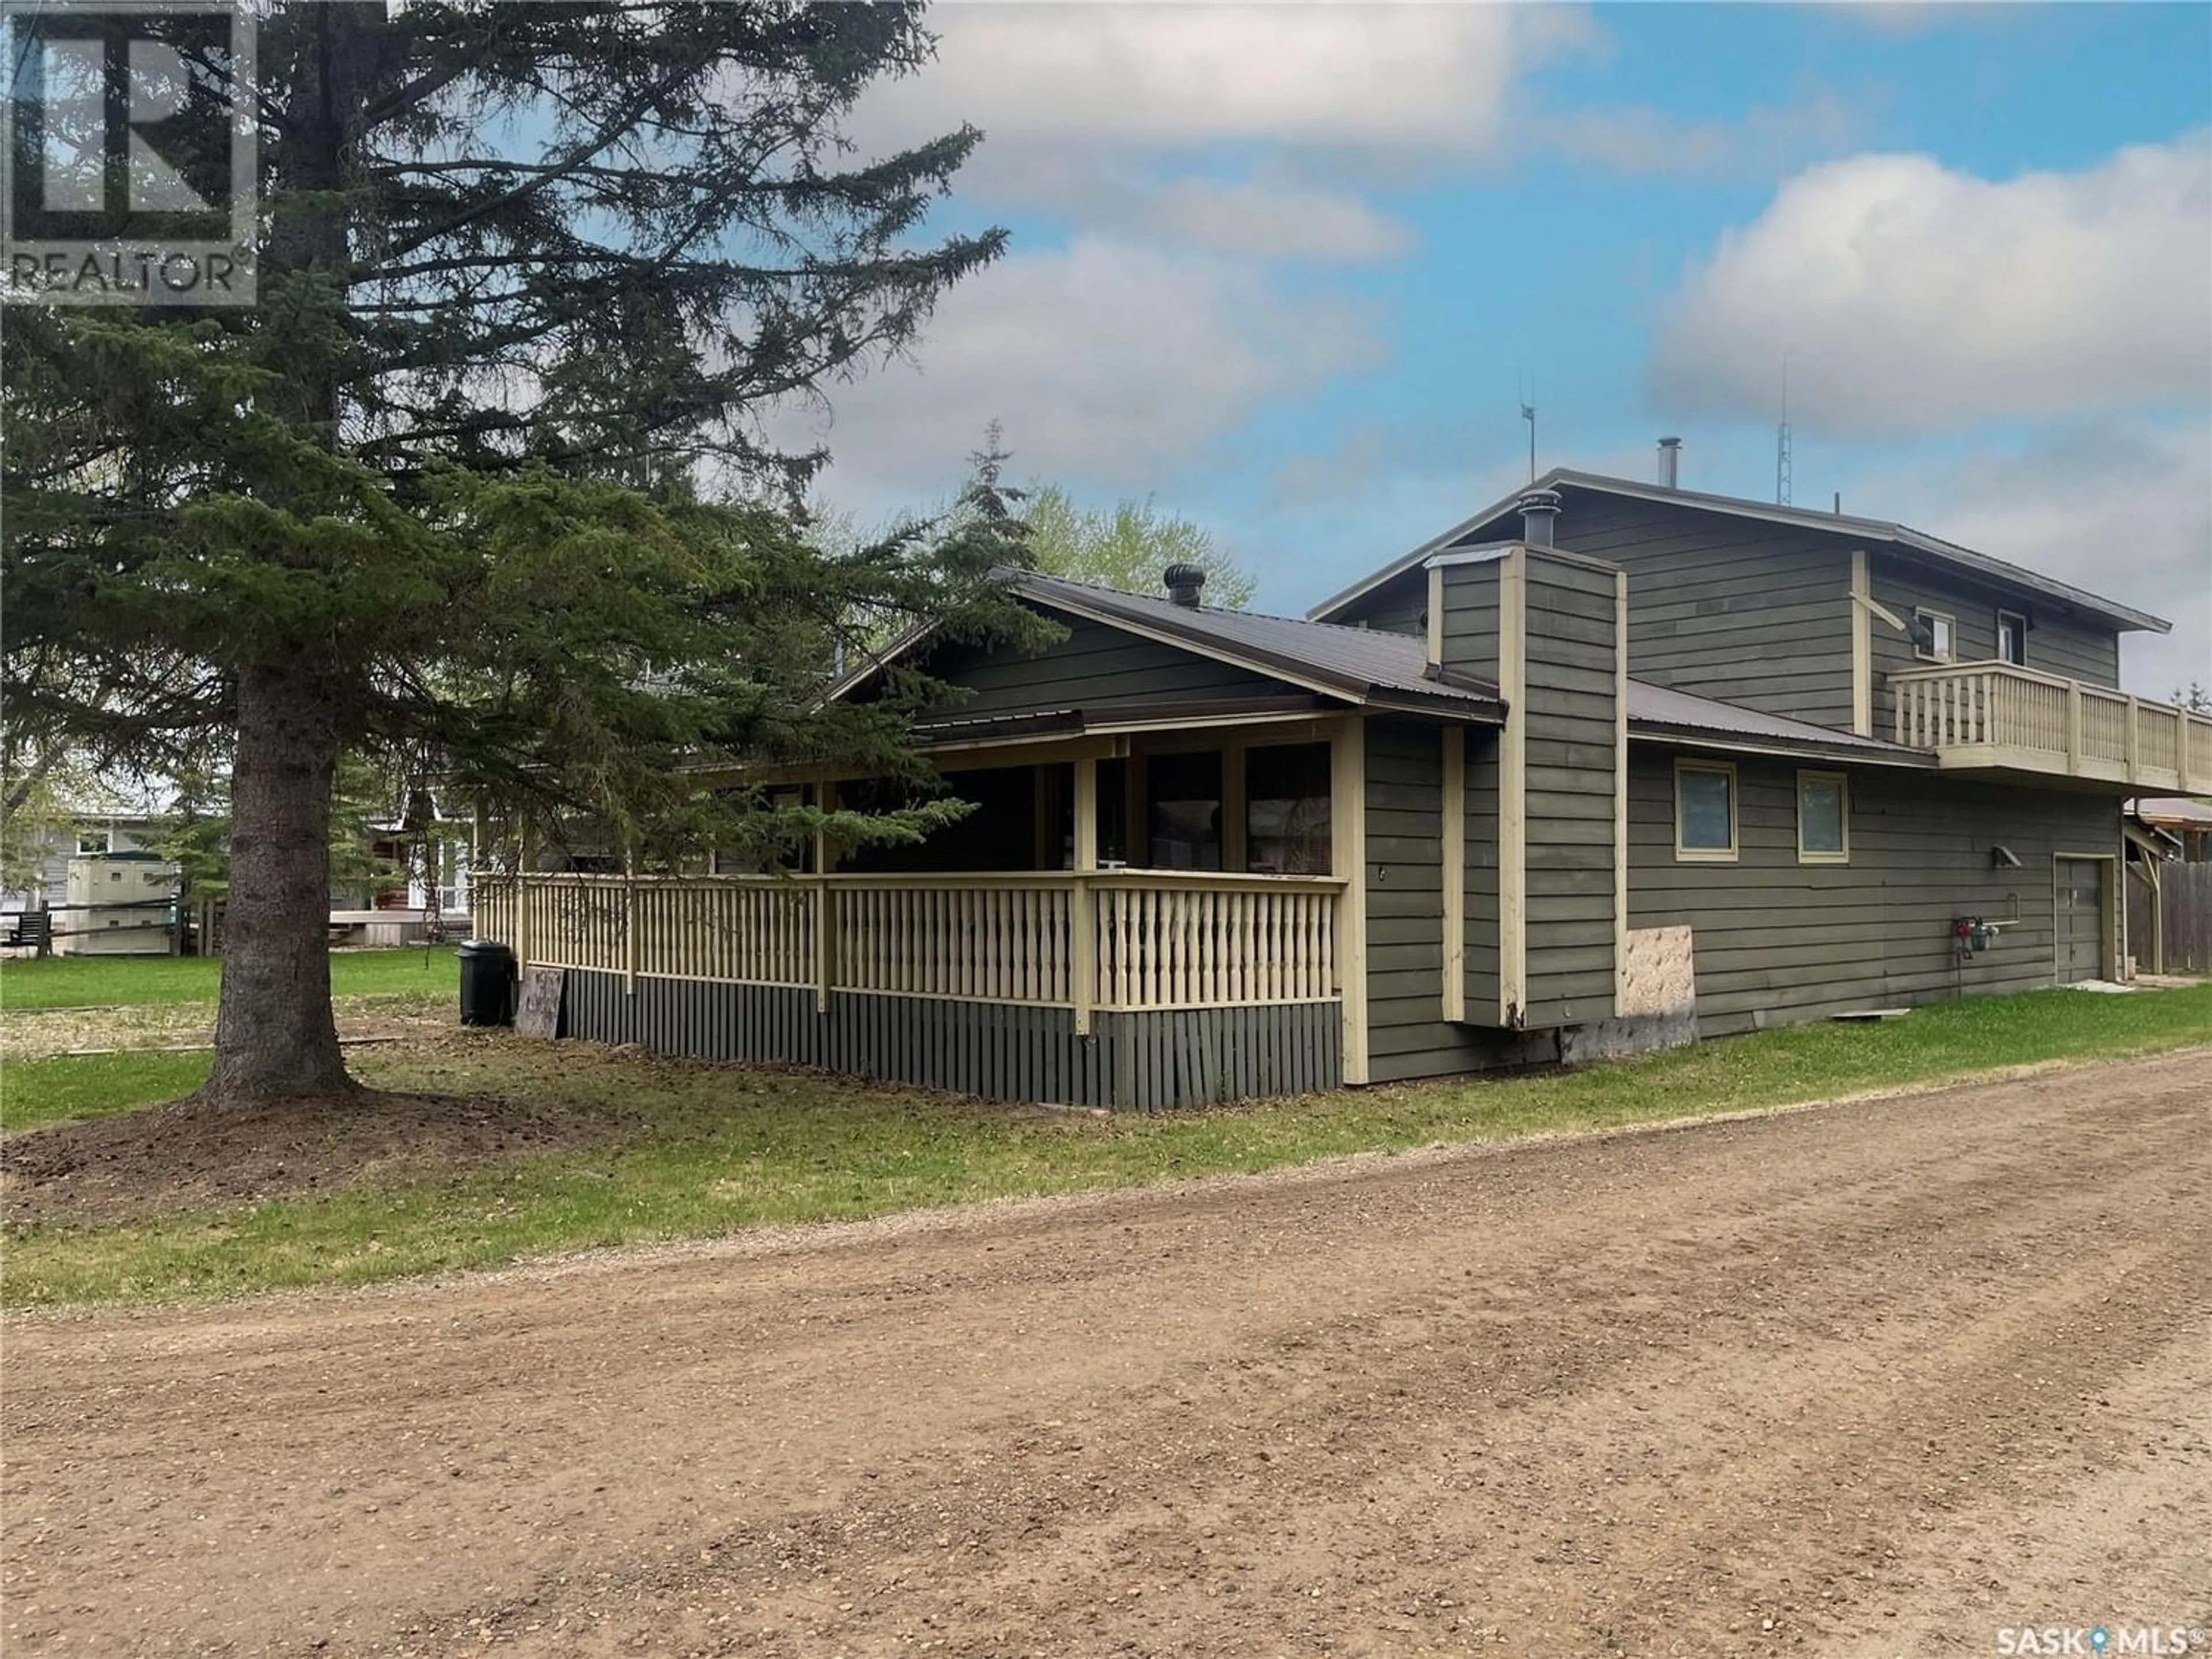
{"type": "Point", "coordinates": [2169, 931]}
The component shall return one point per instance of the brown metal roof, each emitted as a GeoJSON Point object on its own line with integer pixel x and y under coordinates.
{"type": "Point", "coordinates": [1931, 548]}
{"type": "Point", "coordinates": [1659, 706]}
{"type": "Point", "coordinates": [1352, 662]}
{"type": "Point", "coordinates": [1372, 665]}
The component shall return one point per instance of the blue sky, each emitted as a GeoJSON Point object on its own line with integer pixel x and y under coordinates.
{"type": "Point", "coordinates": [1286, 269]}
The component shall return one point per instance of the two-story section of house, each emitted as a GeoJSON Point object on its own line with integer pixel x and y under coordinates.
{"type": "Point", "coordinates": [1973, 844]}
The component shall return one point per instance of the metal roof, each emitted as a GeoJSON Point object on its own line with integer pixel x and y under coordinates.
{"type": "Point", "coordinates": [1659, 705]}
{"type": "Point", "coordinates": [1366, 666]}
{"type": "Point", "coordinates": [1931, 548]}
{"type": "Point", "coordinates": [2186, 811]}
{"type": "Point", "coordinates": [1356, 663]}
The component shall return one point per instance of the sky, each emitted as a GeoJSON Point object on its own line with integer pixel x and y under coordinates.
{"type": "Point", "coordinates": [1290, 271]}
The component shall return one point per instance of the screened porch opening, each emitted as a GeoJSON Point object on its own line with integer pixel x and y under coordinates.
{"type": "Point", "coordinates": [1258, 808]}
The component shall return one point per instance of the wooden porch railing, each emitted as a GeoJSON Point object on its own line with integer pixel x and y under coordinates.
{"type": "Point", "coordinates": [1995, 714]}
{"type": "Point", "coordinates": [1109, 939]}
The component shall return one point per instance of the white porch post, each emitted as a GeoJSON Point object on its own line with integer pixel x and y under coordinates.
{"type": "Point", "coordinates": [525, 854]}
{"type": "Point", "coordinates": [1082, 916]}
{"type": "Point", "coordinates": [629, 918]}
{"type": "Point", "coordinates": [825, 796]}
{"type": "Point", "coordinates": [1347, 825]}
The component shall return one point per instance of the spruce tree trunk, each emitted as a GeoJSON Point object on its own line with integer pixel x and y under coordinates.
{"type": "Point", "coordinates": [276, 1038]}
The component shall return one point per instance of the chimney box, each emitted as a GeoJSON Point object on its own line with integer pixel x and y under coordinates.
{"type": "Point", "coordinates": [1670, 456]}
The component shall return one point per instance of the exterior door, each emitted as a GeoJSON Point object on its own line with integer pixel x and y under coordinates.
{"type": "Point", "coordinates": [2080, 920]}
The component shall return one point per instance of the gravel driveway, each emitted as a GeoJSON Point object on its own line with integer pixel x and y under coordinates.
{"type": "Point", "coordinates": [1877, 1378]}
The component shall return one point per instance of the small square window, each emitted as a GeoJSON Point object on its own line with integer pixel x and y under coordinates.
{"type": "Point", "coordinates": [1824, 818]}
{"type": "Point", "coordinates": [1704, 811]}
{"type": "Point", "coordinates": [2012, 638]}
{"type": "Point", "coordinates": [1934, 636]}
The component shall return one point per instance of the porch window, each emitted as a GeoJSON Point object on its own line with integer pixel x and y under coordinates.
{"type": "Point", "coordinates": [1286, 809]}
{"type": "Point", "coordinates": [2012, 638]}
{"type": "Point", "coordinates": [1824, 818]}
{"type": "Point", "coordinates": [1704, 811]}
{"type": "Point", "coordinates": [1113, 815]}
{"type": "Point", "coordinates": [1183, 792]}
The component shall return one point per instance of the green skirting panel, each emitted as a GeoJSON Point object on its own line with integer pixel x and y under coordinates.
{"type": "Point", "coordinates": [1145, 1062]}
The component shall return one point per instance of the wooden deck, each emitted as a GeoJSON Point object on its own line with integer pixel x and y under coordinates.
{"type": "Point", "coordinates": [1993, 716]}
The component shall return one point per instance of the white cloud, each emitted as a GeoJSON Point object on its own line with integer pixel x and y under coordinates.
{"type": "Point", "coordinates": [1640, 140]}
{"type": "Point", "coordinates": [1267, 213]}
{"type": "Point", "coordinates": [2122, 509]}
{"type": "Point", "coordinates": [1912, 299]}
{"type": "Point", "coordinates": [1106, 362]}
{"type": "Point", "coordinates": [1915, 16]}
{"type": "Point", "coordinates": [1163, 77]}
{"type": "Point", "coordinates": [1268, 220]}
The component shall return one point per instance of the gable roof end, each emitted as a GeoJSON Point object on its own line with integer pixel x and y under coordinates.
{"type": "Point", "coordinates": [1932, 549]}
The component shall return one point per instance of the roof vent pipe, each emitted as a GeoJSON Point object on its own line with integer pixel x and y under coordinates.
{"type": "Point", "coordinates": [1183, 582]}
{"type": "Point", "coordinates": [1539, 508]}
{"type": "Point", "coordinates": [1670, 458]}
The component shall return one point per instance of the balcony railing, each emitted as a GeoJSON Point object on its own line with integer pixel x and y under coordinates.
{"type": "Point", "coordinates": [1995, 716]}
{"type": "Point", "coordinates": [1111, 939]}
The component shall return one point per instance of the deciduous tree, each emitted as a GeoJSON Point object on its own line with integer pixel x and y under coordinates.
{"type": "Point", "coordinates": [1127, 546]}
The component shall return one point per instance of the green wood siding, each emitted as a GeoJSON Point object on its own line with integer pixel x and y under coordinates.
{"type": "Point", "coordinates": [1095, 666]}
{"type": "Point", "coordinates": [1481, 992]}
{"type": "Point", "coordinates": [2070, 646]}
{"type": "Point", "coordinates": [1570, 701]}
{"type": "Point", "coordinates": [1470, 624]}
{"type": "Point", "coordinates": [1407, 1034]}
{"type": "Point", "coordinates": [1153, 1061]}
{"type": "Point", "coordinates": [1399, 607]}
{"type": "Point", "coordinates": [1755, 614]}
{"type": "Point", "coordinates": [1778, 941]}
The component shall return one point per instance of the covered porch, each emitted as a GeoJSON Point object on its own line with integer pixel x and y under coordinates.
{"type": "Point", "coordinates": [1143, 918]}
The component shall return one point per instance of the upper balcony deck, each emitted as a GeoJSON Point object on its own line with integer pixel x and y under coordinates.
{"type": "Point", "coordinates": [1994, 717]}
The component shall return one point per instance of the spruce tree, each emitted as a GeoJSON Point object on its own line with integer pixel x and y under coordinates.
{"type": "Point", "coordinates": [483, 482]}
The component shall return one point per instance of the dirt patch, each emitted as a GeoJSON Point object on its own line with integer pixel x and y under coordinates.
{"type": "Point", "coordinates": [1867, 1381]}
{"type": "Point", "coordinates": [188, 1155]}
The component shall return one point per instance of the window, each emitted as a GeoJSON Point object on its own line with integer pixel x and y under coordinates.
{"type": "Point", "coordinates": [91, 842]}
{"type": "Point", "coordinates": [1184, 794]}
{"type": "Point", "coordinates": [1112, 813]}
{"type": "Point", "coordinates": [2012, 638]}
{"type": "Point", "coordinates": [1704, 811]}
{"type": "Point", "coordinates": [1935, 635]}
{"type": "Point", "coordinates": [1824, 818]}
{"type": "Point", "coordinates": [1287, 817]}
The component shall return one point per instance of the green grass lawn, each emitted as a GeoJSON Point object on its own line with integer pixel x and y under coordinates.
{"type": "Point", "coordinates": [36, 1092]}
{"type": "Point", "coordinates": [103, 981]}
{"type": "Point", "coordinates": [707, 1150]}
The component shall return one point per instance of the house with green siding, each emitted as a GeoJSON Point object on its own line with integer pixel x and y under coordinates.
{"type": "Point", "coordinates": [1609, 765]}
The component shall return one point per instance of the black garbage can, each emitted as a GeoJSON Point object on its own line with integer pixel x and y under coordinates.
{"type": "Point", "coordinates": [487, 983]}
